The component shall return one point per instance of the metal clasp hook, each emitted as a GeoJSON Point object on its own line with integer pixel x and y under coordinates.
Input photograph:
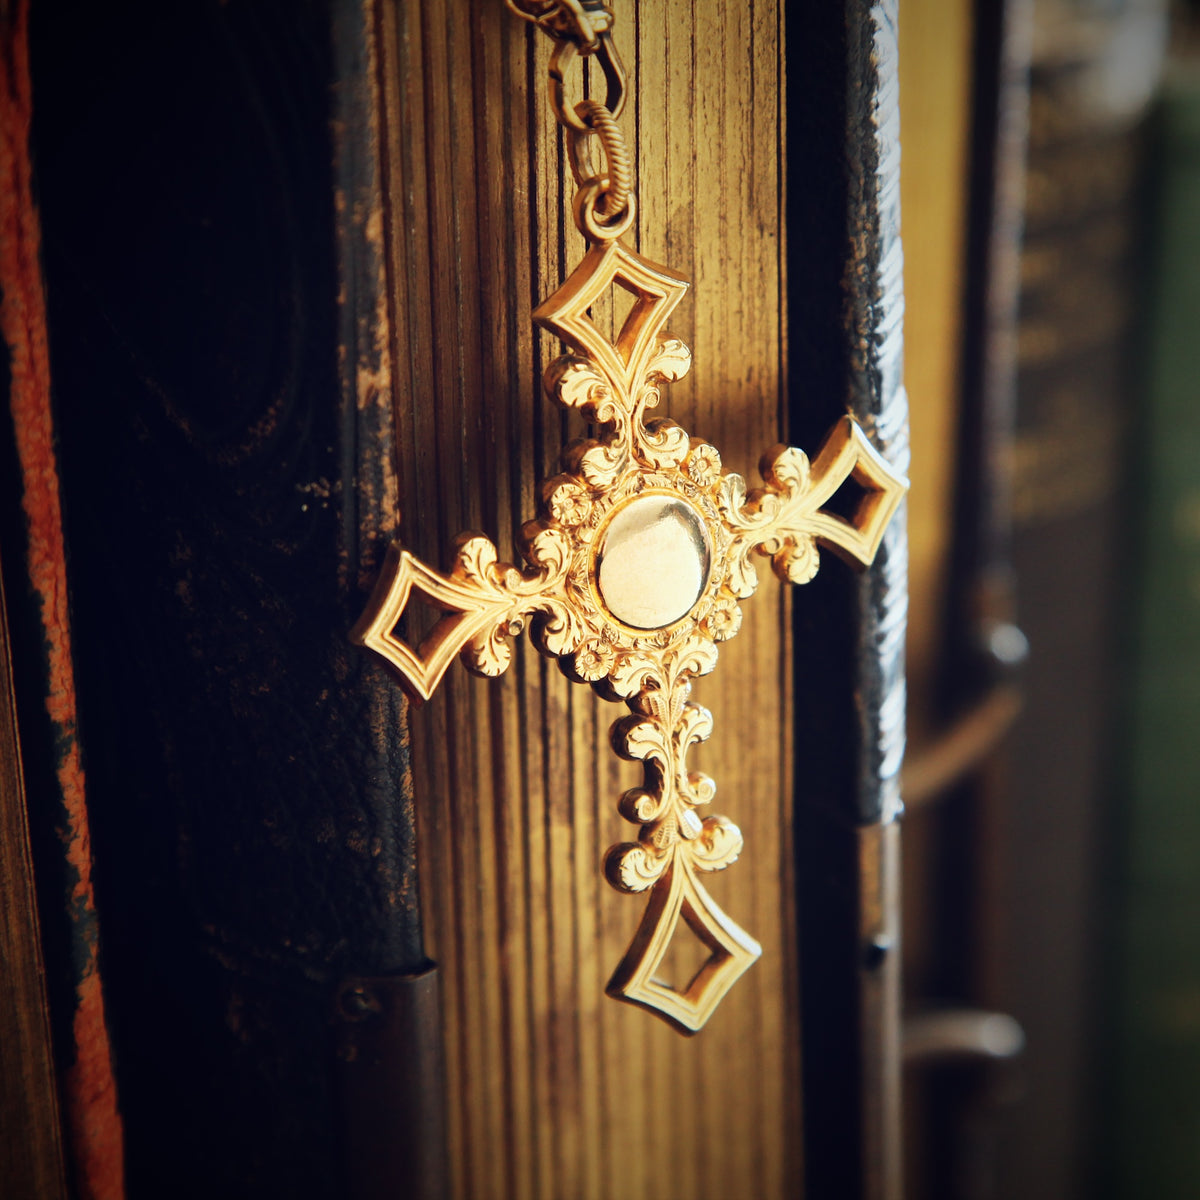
{"type": "Point", "coordinates": [579, 21]}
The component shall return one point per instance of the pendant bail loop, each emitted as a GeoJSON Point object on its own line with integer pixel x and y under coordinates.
{"type": "Point", "coordinates": [604, 205]}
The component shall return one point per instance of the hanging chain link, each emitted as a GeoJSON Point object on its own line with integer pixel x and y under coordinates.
{"type": "Point", "coordinates": [604, 206]}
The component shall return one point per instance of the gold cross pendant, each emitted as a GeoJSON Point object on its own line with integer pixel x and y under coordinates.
{"type": "Point", "coordinates": [636, 567]}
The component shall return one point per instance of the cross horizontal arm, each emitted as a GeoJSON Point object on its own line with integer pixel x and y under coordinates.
{"type": "Point", "coordinates": [485, 602]}
{"type": "Point", "coordinates": [786, 519]}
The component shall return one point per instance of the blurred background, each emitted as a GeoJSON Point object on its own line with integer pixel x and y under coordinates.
{"type": "Point", "coordinates": [1051, 200]}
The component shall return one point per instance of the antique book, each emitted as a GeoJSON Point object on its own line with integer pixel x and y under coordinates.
{"type": "Point", "coordinates": [1151, 1101]}
{"type": "Point", "coordinates": [1094, 75]}
{"type": "Point", "coordinates": [1010, 917]}
{"type": "Point", "coordinates": [243, 767]}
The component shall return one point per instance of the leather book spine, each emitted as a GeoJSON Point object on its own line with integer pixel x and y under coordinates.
{"type": "Point", "coordinates": [845, 308]}
{"type": "Point", "coordinates": [248, 793]}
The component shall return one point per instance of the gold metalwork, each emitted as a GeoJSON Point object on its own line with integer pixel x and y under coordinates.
{"type": "Point", "coordinates": [644, 494]}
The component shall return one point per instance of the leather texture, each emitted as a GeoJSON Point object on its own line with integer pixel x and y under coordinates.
{"type": "Point", "coordinates": [246, 766]}
{"type": "Point", "coordinates": [845, 315]}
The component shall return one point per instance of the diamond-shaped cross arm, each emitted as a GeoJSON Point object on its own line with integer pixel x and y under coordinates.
{"type": "Point", "coordinates": [679, 896]}
{"type": "Point", "coordinates": [485, 603]}
{"type": "Point", "coordinates": [674, 845]}
{"type": "Point", "coordinates": [787, 519]}
{"type": "Point", "coordinates": [656, 291]}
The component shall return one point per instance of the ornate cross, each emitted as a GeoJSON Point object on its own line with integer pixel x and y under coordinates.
{"type": "Point", "coordinates": [635, 569]}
